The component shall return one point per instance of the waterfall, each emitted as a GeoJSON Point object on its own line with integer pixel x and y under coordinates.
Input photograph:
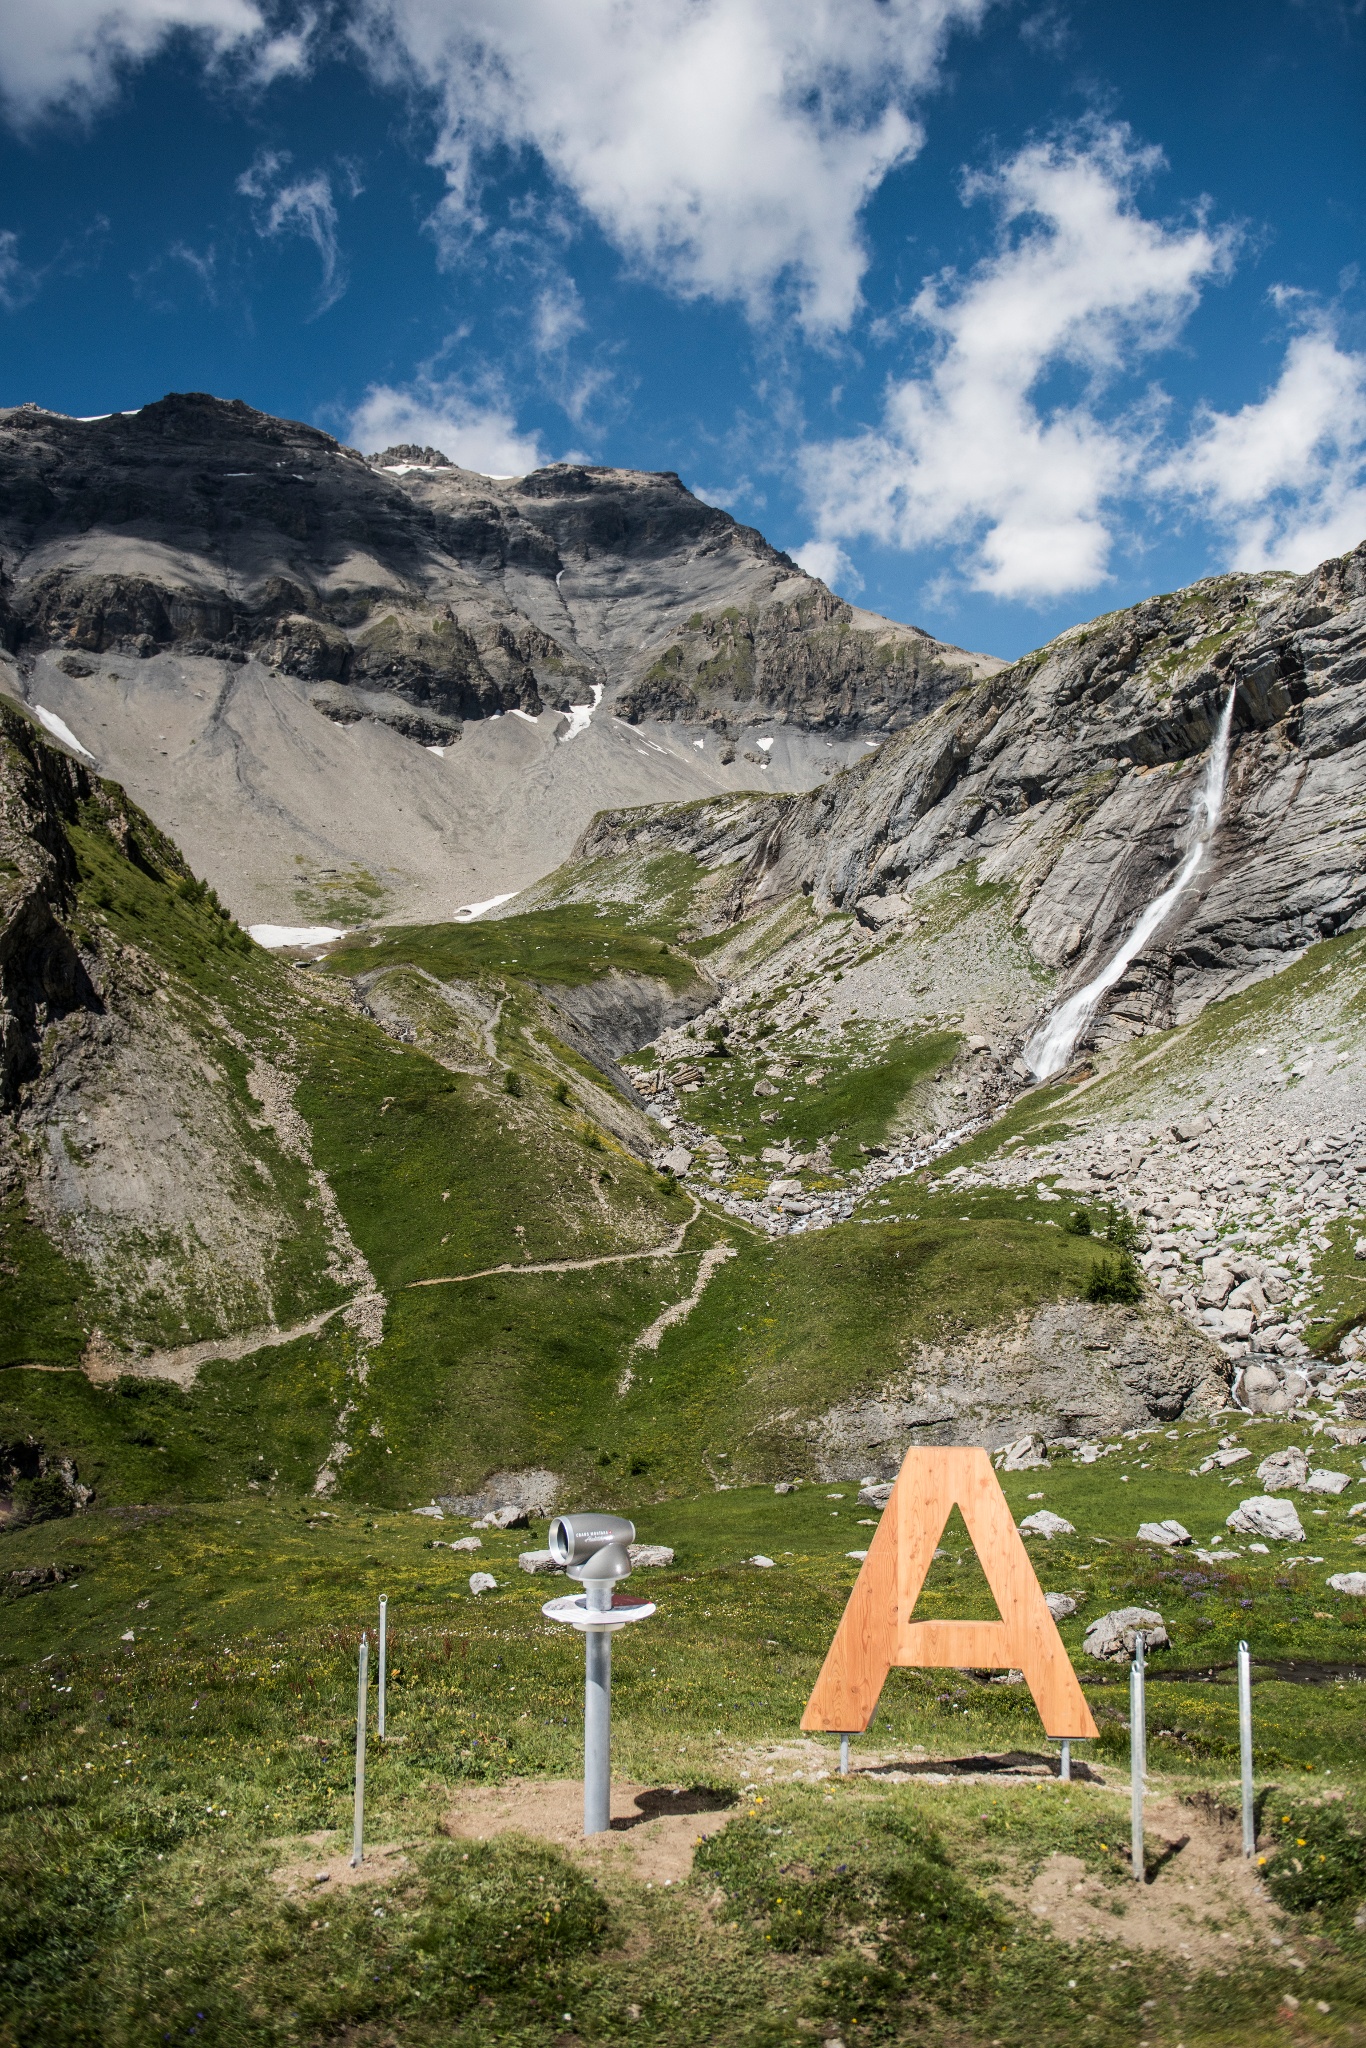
{"type": "Point", "coordinates": [1050, 1049]}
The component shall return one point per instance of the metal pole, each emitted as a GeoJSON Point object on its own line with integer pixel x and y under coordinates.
{"type": "Point", "coordinates": [1065, 1767]}
{"type": "Point", "coordinates": [597, 1717]}
{"type": "Point", "coordinates": [844, 1756]}
{"type": "Point", "coordinates": [1138, 1760]}
{"type": "Point", "coordinates": [362, 1686]}
{"type": "Point", "coordinates": [383, 1659]}
{"type": "Point", "coordinates": [1245, 1747]}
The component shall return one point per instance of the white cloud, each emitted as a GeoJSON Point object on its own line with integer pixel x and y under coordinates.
{"type": "Point", "coordinates": [70, 52]}
{"type": "Point", "coordinates": [972, 452]}
{"type": "Point", "coordinates": [558, 316]}
{"type": "Point", "coordinates": [14, 281]}
{"type": "Point", "coordinates": [725, 146]}
{"type": "Point", "coordinates": [303, 206]}
{"type": "Point", "coordinates": [1285, 476]}
{"type": "Point", "coordinates": [479, 434]}
{"type": "Point", "coordinates": [827, 560]}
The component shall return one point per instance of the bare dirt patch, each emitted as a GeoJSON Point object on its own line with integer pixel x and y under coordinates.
{"type": "Point", "coordinates": [329, 1869]}
{"type": "Point", "coordinates": [1203, 1903]}
{"type": "Point", "coordinates": [654, 1833]}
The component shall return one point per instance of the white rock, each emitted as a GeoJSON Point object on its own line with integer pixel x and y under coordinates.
{"type": "Point", "coordinates": [764, 1563]}
{"type": "Point", "coordinates": [467, 1543]}
{"type": "Point", "coordinates": [859, 1554]}
{"type": "Point", "coordinates": [537, 1561]}
{"type": "Point", "coordinates": [679, 1159]}
{"type": "Point", "coordinates": [649, 1555]}
{"type": "Point", "coordinates": [1349, 1582]}
{"type": "Point", "coordinates": [1026, 1454]}
{"type": "Point", "coordinates": [875, 1493]}
{"type": "Point", "coordinates": [437, 1514]}
{"type": "Point", "coordinates": [1113, 1636]}
{"type": "Point", "coordinates": [1223, 1459]}
{"type": "Point", "coordinates": [783, 1486]}
{"type": "Point", "coordinates": [1060, 1605]}
{"type": "Point", "coordinates": [1169, 1533]}
{"type": "Point", "coordinates": [1046, 1523]}
{"type": "Point", "coordinates": [483, 1582]}
{"type": "Point", "coordinates": [1327, 1482]}
{"type": "Point", "coordinates": [509, 1516]}
{"type": "Point", "coordinates": [1264, 1515]}
{"type": "Point", "coordinates": [1284, 1470]}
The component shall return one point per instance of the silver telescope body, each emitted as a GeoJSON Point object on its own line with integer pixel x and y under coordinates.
{"type": "Point", "coordinates": [592, 1548]}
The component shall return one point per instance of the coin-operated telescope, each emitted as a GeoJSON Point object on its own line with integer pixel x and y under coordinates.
{"type": "Point", "coordinates": [594, 1550]}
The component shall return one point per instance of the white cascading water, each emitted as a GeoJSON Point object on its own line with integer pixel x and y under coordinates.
{"type": "Point", "coordinates": [1050, 1049]}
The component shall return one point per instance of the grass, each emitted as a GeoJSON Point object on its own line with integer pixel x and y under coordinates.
{"type": "Point", "coordinates": [149, 1787]}
{"type": "Point", "coordinates": [570, 944]}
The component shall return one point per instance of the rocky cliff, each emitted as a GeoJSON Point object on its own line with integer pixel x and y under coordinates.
{"type": "Point", "coordinates": [278, 645]}
{"type": "Point", "coordinates": [1068, 781]}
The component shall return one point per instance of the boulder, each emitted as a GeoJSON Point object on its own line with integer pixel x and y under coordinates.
{"type": "Point", "coordinates": [509, 1516]}
{"type": "Point", "coordinates": [538, 1561]}
{"type": "Point", "coordinates": [1264, 1515]}
{"type": "Point", "coordinates": [1284, 1470]}
{"type": "Point", "coordinates": [1327, 1482]}
{"type": "Point", "coordinates": [646, 1556]}
{"type": "Point", "coordinates": [785, 1486]}
{"type": "Point", "coordinates": [1169, 1534]}
{"type": "Point", "coordinates": [436, 1514]}
{"type": "Point", "coordinates": [875, 1493]}
{"type": "Point", "coordinates": [765, 1563]}
{"type": "Point", "coordinates": [1045, 1523]}
{"type": "Point", "coordinates": [1060, 1605]}
{"type": "Point", "coordinates": [482, 1582]}
{"type": "Point", "coordinates": [1112, 1638]}
{"type": "Point", "coordinates": [1026, 1454]}
{"type": "Point", "coordinates": [678, 1160]}
{"type": "Point", "coordinates": [1349, 1582]}
{"type": "Point", "coordinates": [467, 1543]}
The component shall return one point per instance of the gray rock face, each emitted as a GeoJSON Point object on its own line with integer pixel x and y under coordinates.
{"type": "Point", "coordinates": [1071, 777]}
{"type": "Point", "coordinates": [258, 632]}
{"type": "Point", "coordinates": [424, 594]}
{"type": "Point", "coordinates": [1071, 1369]}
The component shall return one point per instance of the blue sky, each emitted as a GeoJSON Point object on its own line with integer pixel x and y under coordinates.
{"type": "Point", "coordinates": [996, 315]}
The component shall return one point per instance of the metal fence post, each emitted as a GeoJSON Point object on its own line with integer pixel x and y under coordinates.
{"type": "Point", "coordinates": [1065, 1766]}
{"type": "Point", "coordinates": [597, 1718]}
{"type": "Point", "coordinates": [1138, 1759]}
{"type": "Point", "coordinates": [383, 1660]}
{"type": "Point", "coordinates": [362, 1686]}
{"type": "Point", "coordinates": [1245, 1747]}
{"type": "Point", "coordinates": [844, 1756]}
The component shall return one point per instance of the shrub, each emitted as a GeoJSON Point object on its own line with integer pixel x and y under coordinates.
{"type": "Point", "coordinates": [561, 1091]}
{"type": "Point", "coordinates": [512, 1083]}
{"type": "Point", "coordinates": [1320, 1859]}
{"type": "Point", "coordinates": [1114, 1279]}
{"type": "Point", "coordinates": [1079, 1223]}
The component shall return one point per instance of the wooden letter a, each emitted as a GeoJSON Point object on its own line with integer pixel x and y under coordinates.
{"type": "Point", "coordinates": [876, 1630]}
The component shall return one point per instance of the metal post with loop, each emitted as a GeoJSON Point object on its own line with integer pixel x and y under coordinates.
{"type": "Point", "coordinates": [1245, 1748]}
{"type": "Point", "coordinates": [593, 1550]}
{"type": "Point", "coordinates": [383, 1661]}
{"type": "Point", "coordinates": [362, 1687]}
{"type": "Point", "coordinates": [1138, 1759]}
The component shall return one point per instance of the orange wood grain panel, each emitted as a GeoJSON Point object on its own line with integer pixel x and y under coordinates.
{"type": "Point", "coordinates": [877, 1630]}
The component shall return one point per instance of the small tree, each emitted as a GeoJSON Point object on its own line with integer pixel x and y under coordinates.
{"type": "Point", "coordinates": [1115, 1278]}
{"type": "Point", "coordinates": [1079, 1223]}
{"type": "Point", "coordinates": [512, 1083]}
